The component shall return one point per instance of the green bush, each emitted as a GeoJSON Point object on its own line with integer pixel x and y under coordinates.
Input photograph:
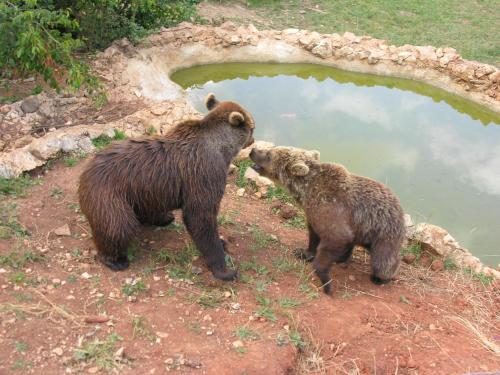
{"type": "Point", "coordinates": [41, 36]}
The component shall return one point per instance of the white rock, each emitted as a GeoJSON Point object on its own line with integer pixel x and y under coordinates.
{"type": "Point", "coordinates": [63, 230]}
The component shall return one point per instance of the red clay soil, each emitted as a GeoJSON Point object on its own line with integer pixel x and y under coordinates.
{"type": "Point", "coordinates": [167, 314]}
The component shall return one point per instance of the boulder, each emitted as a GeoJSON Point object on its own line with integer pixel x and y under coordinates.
{"type": "Point", "coordinates": [323, 49]}
{"type": "Point", "coordinates": [30, 104]}
{"type": "Point", "coordinates": [434, 240]}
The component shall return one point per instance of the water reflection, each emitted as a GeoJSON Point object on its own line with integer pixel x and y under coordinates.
{"type": "Point", "coordinates": [427, 145]}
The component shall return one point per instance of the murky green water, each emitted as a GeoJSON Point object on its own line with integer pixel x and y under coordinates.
{"type": "Point", "coordinates": [437, 151]}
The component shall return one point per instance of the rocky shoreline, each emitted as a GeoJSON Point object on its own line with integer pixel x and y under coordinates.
{"type": "Point", "coordinates": [143, 97]}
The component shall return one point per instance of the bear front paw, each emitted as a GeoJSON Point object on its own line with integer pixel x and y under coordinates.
{"type": "Point", "coordinates": [303, 254]}
{"type": "Point", "coordinates": [226, 275]}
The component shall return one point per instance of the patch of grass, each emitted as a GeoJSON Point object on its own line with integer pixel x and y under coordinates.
{"type": "Point", "coordinates": [56, 192]}
{"type": "Point", "coordinates": [151, 130]}
{"type": "Point", "coordinates": [20, 364]}
{"type": "Point", "coordinates": [482, 278]}
{"type": "Point", "coordinates": [16, 259]}
{"type": "Point", "coordinates": [280, 193]}
{"type": "Point", "coordinates": [208, 299]}
{"type": "Point", "coordinates": [103, 140]}
{"type": "Point", "coordinates": [18, 278]}
{"type": "Point", "coordinates": [225, 220]}
{"type": "Point", "coordinates": [134, 288]}
{"type": "Point", "coordinates": [173, 226]}
{"type": "Point", "coordinates": [70, 160]}
{"type": "Point", "coordinates": [74, 206]}
{"type": "Point", "coordinates": [296, 339]}
{"type": "Point", "coordinates": [100, 353]}
{"type": "Point", "coordinates": [287, 263]}
{"type": "Point", "coordinates": [9, 224]}
{"type": "Point", "coordinates": [241, 167]}
{"type": "Point", "coordinates": [194, 327]}
{"type": "Point", "coordinates": [77, 253]}
{"type": "Point", "coordinates": [310, 293]}
{"type": "Point", "coordinates": [72, 278]}
{"type": "Point", "coordinates": [20, 347]}
{"type": "Point", "coordinates": [403, 299]}
{"type": "Point", "coordinates": [261, 285]}
{"type": "Point", "coordinates": [260, 269]}
{"type": "Point", "coordinates": [288, 302]}
{"type": "Point", "coordinates": [298, 222]}
{"type": "Point", "coordinates": [265, 311]}
{"type": "Point", "coordinates": [132, 251]}
{"type": "Point", "coordinates": [141, 328]}
{"type": "Point", "coordinates": [261, 238]}
{"type": "Point", "coordinates": [17, 186]}
{"type": "Point", "coordinates": [468, 26]}
{"type": "Point", "coordinates": [245, 333]}
{"type": "Point", "coordinates": [414, 249]}
{"type": "Point", "coordinates": [450, 264]}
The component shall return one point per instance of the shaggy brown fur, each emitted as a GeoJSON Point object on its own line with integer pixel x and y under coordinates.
{"type": "Point", "coordinates": [142, 180]}
{"type": "Point", "coordinates": [343, 210]}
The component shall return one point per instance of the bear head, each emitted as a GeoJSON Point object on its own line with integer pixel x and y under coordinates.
{"type": "Point", "coordinates": [236, 123]}
{"type": "Point", "coordinates": [283, 164]}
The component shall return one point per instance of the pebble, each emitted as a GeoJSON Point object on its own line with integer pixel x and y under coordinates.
{"type": "Point", "coordinates": [227, 294]}
{"type": "Point", "coordinates": [437, 265]}
{"type": "Point", "coordinates": [86, 275]}
{"type": "Point", "coordinates": [240, 192]}
{"type": "Point", "coordinates": [58, 351]}
{"type": "Point", "coordinates": [352, 277]}
{"type": "Point", "coordinates": [237, 344]}
{"type": "Point", "coordinates": [210, 333]}
{"type": "Point", "coordinates": [93, 370]}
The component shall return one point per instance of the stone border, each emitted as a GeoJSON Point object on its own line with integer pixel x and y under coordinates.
{"type": "Point", "coordinates": [143, 71]}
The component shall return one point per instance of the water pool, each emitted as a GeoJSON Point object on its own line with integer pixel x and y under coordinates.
{"type": "Point", "coordinates": [438, 152]}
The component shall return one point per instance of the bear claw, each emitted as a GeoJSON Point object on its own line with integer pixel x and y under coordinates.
{"type": "Point", "coordinates": [228, 275]}
{"type": "Point", "coordinates": [303, 254]}
{"type": "Point", "coordinates": [120, 264]}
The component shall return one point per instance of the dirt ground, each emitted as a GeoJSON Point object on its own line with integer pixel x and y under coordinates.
{"type": "Point", "coordinates": [62, 312]}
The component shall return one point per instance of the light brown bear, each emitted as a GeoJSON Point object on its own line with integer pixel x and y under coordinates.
{"type": "Point", "coordinates": [342, 209]}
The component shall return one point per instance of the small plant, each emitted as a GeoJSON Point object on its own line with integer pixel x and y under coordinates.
{"type": "Point", "coordinates": [104, 140]}
{"type": "Point", "coordinates": [132, 251]}
{"type": "Point", "coordinates": [298, 222]}
{"type": "Point", "coordinates": [20, 364]}
{"type": "Point", "coordinates": [241, 350]}
{"type": "Point", "coordinates": [241, 168]}
{"type": "Point", "coordinates": [261, 238]}
{"type": "Point", "coordinates": [261, 285]}
{"type": "Point", "coordinates": [18, 278]}
{"type": "Point", "coordinates": [225, 220]}
{"type": "Point", "coordinates": [141, 329]}
{"type": "Point", "coordinates": [16, 260]}
{"type": "Point", "coordinates": [414, 249]}
{"type": "Point", "coordinates": [288, 302]}
{"type": "Point", "coordinates": [287, 264]}
{"type": "Point", "coordinates": [151, 130]}
{"type": "Point", "coordinates": [77, 253]}
{"type": "Point", "coordinates": [70, 161]}
{"type": "Point", "coordinates": [9, 224]}
{"type": "Point", "coordinates": [17, 186]}
{"type": "Point", "coordinates": [403, 299]}
{"type": "Point", "coordinates": [20, 347]}
{"type": "Point", "coordinates": [450, 264]}
{"type": "Point", "coordinates": [260, 269]}
{"type": "Point", "coordinates": [279, 193]}
{"type": "Point", "coordinates": [310, 293]}
{"type": "Point", "coordinates": [56, 192]}
{"type": "Point", "coordinates": [209, 299]}
{"type": "Point", "coordinates": [100, 353]}
{"type": "Point", "coordinates": [134, 287]}
{"type": "Point", "coordinates": [265, 310]}
{"type": "Point", "coordinates": [74, 206]}
{"type": "Point", "coordinates": [296, 339]}
{"type": "Point", "coordinates": [245, 333]}
{"type": "Point", "coordinates": [194, 327]}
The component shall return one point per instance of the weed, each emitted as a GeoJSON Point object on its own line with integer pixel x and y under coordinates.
{"type": "Point", "coordinates": [403, 299]}
{"type": "Point", "coordinates": [100, 352]}
{"type": "Point", "coordinates": [17, 186]}
{"type": "Point", "coordinates": [261, 285]}
{"type": "Point", "coordinates": [450, 264]}
{"type": "Point", "coordinates": [261, 238]}
{"type": "Point", "coordinates": [18, 278]}
{"type": "Point", "coordinates": [16, 260]}
{"type": "Point", "coordinates": [131, 251]}
{"type": "Point", "coordinates": [260, 269]}
{"type": "Point", "coordinates": [241, 168]}
{"type": "Point", "coordinates": [173, 226]}
{"type": "Point", "coordinates": [151, 130]}
{"type": "Point", "coordinates": [414, 249]}
{"type": "Point", "coordinates": [133, 288]}
{"type": "Point", "coordinates": [141, 329]}
{"type": "Point", "coordinates": [287, 302]}
{"type": "Point", "coordinates": [72, 278]}
{"type": "Point", "coordinates": [103, 140]}
{"type": "Point", "coordinates": [20, 347]}
{"type": "Point", "coordinates": [56, 192]}
{"type": "Point", "coordinates": [287, 264]}
{"type": "Point", "coordinates": [298, 222]}
{"type": "Point", "coordinates": [225, 220]}
{"type": "Point", "coordinates": [20, 364]}
{"type": "Point", "coordinates": [77, 253]}
{"type": "Point", "coordinates": [194, 327]}
{"type": "Point", "coordinates": [241, 350]}
{"type": "Point", "coordinates": [209, 299]}
{"type": "Point", "coordinates": [482, 278]}
{"type": "Point", "coordinates": [245, 333]}
{"type": "Point", "coordinates": [9, 224]}
{"type": "Point", "coordinates": [74, 206]}
{"type": "Point", "coordinates": [296, 339]}
{"type": "Point", "coordinates": [70, 161]}
{"type": "Point", "coordinates": [310, 292]}
{"type": "Point", "coordinates": [279, 193]}
{"type": "Point", "coordinates": [265, 311]}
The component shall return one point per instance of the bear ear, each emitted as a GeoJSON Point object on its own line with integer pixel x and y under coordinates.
{"type": "Point", "coordinates": [313, 154]}
{"type": "Point", "coordinates": [236, 118]}
{"type": "Point", "coordinates": [211, 102]}
{"type": "Point", "coordinates": [300, 169]}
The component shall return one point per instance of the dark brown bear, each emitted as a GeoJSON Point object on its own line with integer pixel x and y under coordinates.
{"type": "Point", "coordinates": [343, 210]}
{"type": "Point", "coordinates": [140, 181]}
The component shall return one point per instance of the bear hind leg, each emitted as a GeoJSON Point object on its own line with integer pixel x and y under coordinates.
{"type": "Point", "coordinates": [309, 253]}
{"type": "Point", "coordinates": [385, 262]}
{"type": "Point", "coordinates": [158, 220]}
